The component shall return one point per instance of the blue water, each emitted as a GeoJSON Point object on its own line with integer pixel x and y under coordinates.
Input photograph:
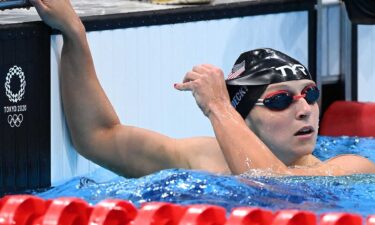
{"type": "Point", "coordinates": [320, 194]}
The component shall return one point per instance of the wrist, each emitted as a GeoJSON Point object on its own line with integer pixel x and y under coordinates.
{"type": "Point", "coordinates": [220, 109]}
{"type": "Point", "coordinates": [74, 30]}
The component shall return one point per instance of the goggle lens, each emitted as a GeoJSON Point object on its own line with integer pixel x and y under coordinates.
{"type": "Point", "coordinates": [283, 99]}
{"type": "Point", "coordinates": [312, 94]}
{"type": "Point", "coordinates": [278, 101]}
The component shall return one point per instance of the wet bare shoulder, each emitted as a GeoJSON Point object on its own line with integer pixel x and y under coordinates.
{"type": "Point", "coordinates": [352, 164]}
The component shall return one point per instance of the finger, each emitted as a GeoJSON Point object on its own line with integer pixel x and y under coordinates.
{"type": "Point", "coordinates": [208, 66]}
{"type": "Point", "coordinates": [214, 69]}
{"type": "Point", "coordinates": [200, 69]}
{"type": "Point", "coordinates": [38, 4]}
{"type": "Point", "coordinates": [188, 86]}
{"type": "Point", "coordinates": [191, 76]}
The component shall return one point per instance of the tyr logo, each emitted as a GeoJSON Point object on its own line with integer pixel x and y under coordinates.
{"type": "Point", "coordinates": [293, 68]}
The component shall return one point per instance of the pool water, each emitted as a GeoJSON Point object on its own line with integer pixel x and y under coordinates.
{"type": "Point", "coordinates": [354, 193]}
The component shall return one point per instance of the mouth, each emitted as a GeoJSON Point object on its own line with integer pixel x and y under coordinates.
{"type": "Point", "coordinates": [304, 131]}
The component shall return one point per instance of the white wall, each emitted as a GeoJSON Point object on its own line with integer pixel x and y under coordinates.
{"type": "Point", "coordinates": [331, 15]}
{"type": "Point", "coordinates": [366, 63]}
{"type": "Point", "coordinates": [137, 67]}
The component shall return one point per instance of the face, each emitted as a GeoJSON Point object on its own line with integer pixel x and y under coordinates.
{"type": "Point", "coordinates": [290, 133]}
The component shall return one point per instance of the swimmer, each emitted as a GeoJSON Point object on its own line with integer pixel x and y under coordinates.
{"type": "Point", "coordinates": [265, 114]}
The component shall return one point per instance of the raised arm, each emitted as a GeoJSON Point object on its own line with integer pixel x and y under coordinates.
{"type": "Point", "coordinates": [94, 126]}
{"type": "Point", "coordinates": [242, 149]}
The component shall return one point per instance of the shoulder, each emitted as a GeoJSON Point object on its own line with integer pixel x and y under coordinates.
{"type": "Point", "coordinates": [352, 164]}
{"type": "Point", "coordinates": [338, 166]}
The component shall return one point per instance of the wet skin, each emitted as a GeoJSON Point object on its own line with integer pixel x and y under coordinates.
{"type": "Point", "coordinates": [277, 129]}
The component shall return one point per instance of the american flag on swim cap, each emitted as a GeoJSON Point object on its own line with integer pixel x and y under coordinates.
{"type": "Point", "coordinates": [237, 70]}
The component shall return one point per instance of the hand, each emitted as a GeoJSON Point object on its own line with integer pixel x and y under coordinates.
{"type": "Point", "coordinates": [207, 84]}
{"type": "Point", "coordinates": [58, 14]}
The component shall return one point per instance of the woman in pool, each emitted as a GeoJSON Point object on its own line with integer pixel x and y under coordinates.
{"type": "Point", "coordinates": [273, 94]}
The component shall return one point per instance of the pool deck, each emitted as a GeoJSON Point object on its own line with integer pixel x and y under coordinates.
{"type": "Point", "coordinates": [98, 8]}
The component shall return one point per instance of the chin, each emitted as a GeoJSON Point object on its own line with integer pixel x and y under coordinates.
{"type": "Point", "coordinates": [305, 149]}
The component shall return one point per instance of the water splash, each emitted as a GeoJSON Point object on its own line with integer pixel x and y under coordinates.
{"type": "Point", "coordinates": [354, 193]}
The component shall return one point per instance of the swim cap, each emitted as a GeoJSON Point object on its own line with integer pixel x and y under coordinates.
{"type": "Point", "coordinates": [254, 70]}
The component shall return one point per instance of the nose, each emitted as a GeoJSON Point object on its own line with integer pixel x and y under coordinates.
{"type": "Point", "coordinates": [303, 109]}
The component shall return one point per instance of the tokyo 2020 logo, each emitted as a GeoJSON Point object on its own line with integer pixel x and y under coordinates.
{"type": "Point", "coordinates": [17, 72]}
{"type": "Point", "coordinates": [14, 112]}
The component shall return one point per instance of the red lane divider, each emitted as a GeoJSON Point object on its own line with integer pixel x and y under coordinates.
{"type": "Point", "coordinates": [250, 216]}
{"type": "Point", "coordinates": [159, 213]}
{"type": "Point", "coordinates": [370, 220]}
{"type": "Point", "coordinates": [111, 212]}
{"type": "Point", "coordinates": [3, 200]}
{"type": "Point", "coordinates": [294, 217]}
{"type": "Point", "coordinates": [340, 219]}
{"type": "Point", "coordinates": [21, 210]}
{"type": "Point", "coordinates": [67, 211]}
{"type": "Point", "coordinates": [204, 215]}
{"type": "Point", "coordinates": [31, 210]}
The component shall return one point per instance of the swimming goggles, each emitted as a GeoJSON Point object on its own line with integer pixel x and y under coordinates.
{"type": "Point", "coordinates": [281, 100]}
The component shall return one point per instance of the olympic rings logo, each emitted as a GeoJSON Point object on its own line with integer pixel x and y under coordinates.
{"type": "Point", "coordinates": [15, 71]}
{"type": "Point", "coordinates": [15, 120]}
